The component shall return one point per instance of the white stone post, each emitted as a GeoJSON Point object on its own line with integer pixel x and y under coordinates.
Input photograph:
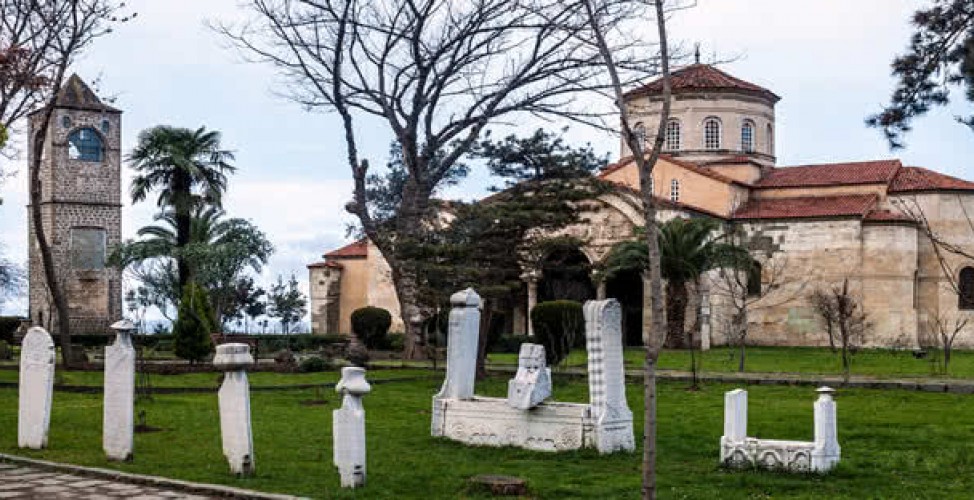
{"type": "Point", "coordinates": [735, 426]}
{"type": "Point", "coordinates": [827, 451]}
{"type": "Point", "coordinates": [234, 397]}
{"type": "Point", "coordinates": [36, 388]}
{"type": "Point", "coordinates": [348, 427]}
{"type": "Point", "coordinates": [118, 416]}
{"type": "Point", "coordinates": [461, 360]}
{"type": "Point", "coordinates": [607, 377]}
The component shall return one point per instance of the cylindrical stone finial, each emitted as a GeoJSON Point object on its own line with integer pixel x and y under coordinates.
{"type": "Point", "coordinates": [465, 298]}
{"type": "Point", "coordinates": [353, 382]}
{"type": "Point", "coordinates": [233, 356]}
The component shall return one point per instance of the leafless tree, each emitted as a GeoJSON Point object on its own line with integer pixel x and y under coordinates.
{"type": "Point", "coordinates": [845, 320]}
{"type": "Point", "coordinates": [40, 40]}
{"type": "Point", "coordinates": [942, 329]}
{"type": "Point", "coordinates": [768, 285]}
{"type": "Point", "coordinates": [600, 15]}
{"type": "Point", "coordinates": [436, 73]}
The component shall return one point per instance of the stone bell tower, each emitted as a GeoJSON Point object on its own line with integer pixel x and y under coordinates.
{"type": "Point", "coordinates": [81, 209]}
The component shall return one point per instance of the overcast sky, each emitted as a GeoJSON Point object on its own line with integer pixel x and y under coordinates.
{"type": "Point", "coordinates": [828, 60]}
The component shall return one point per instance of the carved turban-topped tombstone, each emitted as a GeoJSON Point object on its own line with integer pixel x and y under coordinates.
{"type": "Point", "coordinates": [234, 396]}
{"type": "Point", "coordinates": [118, 416]}
{"type": "Point", "coordinates": [532, 383]}
{"type": "Point", "coordinates": [36, 388]}
{"type": "Point", "coordinates": [348, 427]}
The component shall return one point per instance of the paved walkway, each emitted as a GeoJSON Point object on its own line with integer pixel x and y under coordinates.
{"type": "Point", "coordinates": [17, 481]}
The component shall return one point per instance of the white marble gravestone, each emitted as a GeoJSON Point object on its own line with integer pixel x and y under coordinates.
{"type": "Point", "coordinates": [740, 451]}
{"type": "Point", "coordinates": [348, 427]}
{"type": "Point", "coordinates": [36, 388]}
{"type": "Point", "coordinates": [532, 383]}
{"type": "Point", "coordinates": [118, 417]}
{"type": "Point", "coordinates": [605, 423]}
{"type": "Point", "coordinates": [234, 396]}
{"type": "Point", "coordinates": [607, 377]}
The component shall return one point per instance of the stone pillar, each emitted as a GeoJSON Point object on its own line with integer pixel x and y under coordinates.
{"type": "Point", "coordinates": [735, 427]}
{"type": "Point", "coordinates": [531, 278]}
{"type": "Point", "coordinates": [606, 377]}
{"type": "Point", "coordinates": [119, 408]}
{"type": "Point", "coordinates": [827, 451]}
{"type": "Point", "coordinates": [532, 383]}
{"type": "Point", "coordinates": [36, 389]}
{"type": "Point", "coordinates": [348, 427]}
{"type": "Point", "coordinates": [461, 355]}
{"type": "Point", "coordinates": [234, 396]}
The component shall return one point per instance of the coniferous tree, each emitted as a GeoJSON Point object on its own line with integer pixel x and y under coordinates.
{"type": "Point", "coordinates": [191, 332]}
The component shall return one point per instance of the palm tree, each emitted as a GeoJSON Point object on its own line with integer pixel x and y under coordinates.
{"type": "Point", "coordinates": [188, 168]}
{"type": "Point", "coordinates": [688, 248]}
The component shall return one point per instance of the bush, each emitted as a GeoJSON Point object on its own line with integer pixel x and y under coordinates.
{"type": "Point", "coordinates": [396, 342]}
{"type": "Point", "coordinates": [558, 325]}
{"type": "Point", "coordinates": [314, 364]}
{"type": "Point", "coordinates": [191, 333]}
{"type": "Point", "coordinates": [509, 344]}
{"type": "Point", "coordinates": [9, 326]}
{"type": "Point", "coordinates": [371, 326]}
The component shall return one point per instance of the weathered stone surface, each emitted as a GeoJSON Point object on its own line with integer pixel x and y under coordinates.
{"type": "Point", "coordinates": [739, 451]}
{"type": "Point", "coordinates": [532, 383]}
{"type": "Point", "coordinates": [500, 485]}
{"type": "Point", "coordinates": [607, 377]}
{"type": "Point", "coordinates": [348, 428]}
{"type": "Point", "coordinates": [234, 398]}
{"type": "Point", "coordinates": [36, 389]}
{"type": "Point", "coordinates": [118, 416]}
{"type": "Point", "coordinates": [461, 368]}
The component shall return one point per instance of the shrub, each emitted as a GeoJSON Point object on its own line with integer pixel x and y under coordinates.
{"type": "Point", "coordinates": [8, 326]}
{"type": "Point", "coordinates": [396, 342]}
{"type": "Point", "coordinates": [371, 326]}
{"type": "Point", "coordinates": [558, 325]}
{"type": "Point", "coordinates": [191, 333]}
{"type": "Point", "coordinates": [509, 344]}
{"type": "Point", "coordinates": [314, 364]}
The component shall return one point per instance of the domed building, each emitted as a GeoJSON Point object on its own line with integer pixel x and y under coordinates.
{"type": "Point", "coordinates": [812, 227]}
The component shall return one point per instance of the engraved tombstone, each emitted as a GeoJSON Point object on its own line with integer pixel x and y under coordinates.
{"type": "Point", "coordinates": [532, 383]}
{"type": "Point", "coordinates": [348, 427]}
{"type": "Point", "coordinates": [119, 409]}
{"type": "Point", "coordinates": [234, 397]}
{"type": "Point", "coordinates": [36, 389]}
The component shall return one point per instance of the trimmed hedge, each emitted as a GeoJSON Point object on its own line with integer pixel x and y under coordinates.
{"type": "Point", "coordinates": [8, 326]}
{"type": "Point", "coordinates": [371, 326]}
{"type": "Point", "coordinates": [558, 325]}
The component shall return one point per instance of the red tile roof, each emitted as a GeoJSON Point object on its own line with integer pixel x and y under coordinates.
{"type": "Point", "coordinates": [921, 179]}
{"type": "Point", "coordinates": [326, 263]}
{"type": "Point", "coordinates": [807, 207]}
{"type": "Point", "coordinates": [831, 174]}
{"type": "Point", "coordinates": [693, 167]}
{"type": "Point", "coordinates": [702, 77]}
{"type": "Point", "coordinates": [358, 249]}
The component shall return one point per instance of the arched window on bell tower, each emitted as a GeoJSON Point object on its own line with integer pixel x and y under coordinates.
{"type": "Point", "coordinates": [85, 144]}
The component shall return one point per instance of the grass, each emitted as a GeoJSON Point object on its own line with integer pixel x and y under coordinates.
{"type": "Point", "coordinates": [895, 444]}
{"type": "Point", "coordinates": [212, 379]}
{"type": "Point", "coordinates": [882, 363]}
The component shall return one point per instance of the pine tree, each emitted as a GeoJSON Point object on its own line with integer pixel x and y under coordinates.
{"type": "Point", "coordinates": [191, 333]}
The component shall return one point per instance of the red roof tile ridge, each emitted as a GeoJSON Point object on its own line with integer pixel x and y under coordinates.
{"type": "Point", "coordinates": [702, 77]}
{"type": "Point", "coordinates": [693, 167]}
{"type": "Point", "coordinates": [358, 248]}
{"type": "Point", "coordinates": [799, 207]}
{"type": "Point", "coordinates": [831, 174]}
{"type": "Point", "coordinates": [923, 179]}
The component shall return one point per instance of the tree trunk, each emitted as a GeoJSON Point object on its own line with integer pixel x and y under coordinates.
{"type": "Point", "coordinates": [740, 323]}
{"type": "Point", "coordinates": [407, 289]}
{"type": "Point", "coordinates": [676, 311]}
{"type": "Point", "coordinates": [63, 324]}
{"type": "Point", "coordinates": [182, 208]}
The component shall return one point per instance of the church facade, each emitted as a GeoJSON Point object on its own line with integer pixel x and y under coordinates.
{"type": "Point", "coordinates": [812, 227]}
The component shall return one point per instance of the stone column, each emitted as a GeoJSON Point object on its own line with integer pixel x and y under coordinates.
{"type": "Point", "coordinates": [827, 451]}
{"type": "Point", "coordinates": [348, 427]}
{"type": "Point", "coordinates": [461, 355]}
{"type": "Point", "coordinates": [607, 377]}
{"type": "Point", "coordinates": [531, 278]}
{"type": "Point", "coordinates": [735, 428]}
{"type": "Point", "coordinates": [119, 382]}
{"type": "Point", "coordinates": [234, 396]}
{"type": "Point", "coordinates": [36, 389]}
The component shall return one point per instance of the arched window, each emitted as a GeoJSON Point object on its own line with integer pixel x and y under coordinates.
{"type": "Point", "coordinates": [965, 288]}
{"type": "Point", "coordinates": [639, 132]}
{"type": "Point", "coordinates": [754, 280]}
{"type": "Point", "coordinates": [711, 133]}
{"type": "Point", "coordinates": [88, 248]}
{"type": "Point", "coordinates": [770, 133]}
{"type": "Point", "coordinates": [85, 144]}
{"type": "Point", "coordinates": [674, 190]}
{"type": "Point", "coordinates": [673, 135]}
{"type": "Point", "coordinates": [747, 136]}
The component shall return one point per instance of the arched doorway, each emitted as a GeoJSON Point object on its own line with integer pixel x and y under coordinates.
{"type": "Point", "coordinates": [627, 288]}
{"type": "Point", "coordinates": [565, 275]}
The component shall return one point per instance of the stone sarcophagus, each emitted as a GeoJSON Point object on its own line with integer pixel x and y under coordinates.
{"type": "Point", "coordinates": [524, 419]}
{"type": "Point", "coordinates": [737, 450]}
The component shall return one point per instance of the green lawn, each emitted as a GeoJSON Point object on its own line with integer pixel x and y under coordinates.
{"type": "Point", "coordinates": [895, 444]}
{"type": "Point", "coordinates": [212, 379]}
{"type": "Point", "coordinates": [809, 360]}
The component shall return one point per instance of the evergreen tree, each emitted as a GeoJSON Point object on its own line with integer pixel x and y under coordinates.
{"type": "Point", "coordinates": [191, 332]}
{"type": "Point", "coordinates": [286, 302]}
